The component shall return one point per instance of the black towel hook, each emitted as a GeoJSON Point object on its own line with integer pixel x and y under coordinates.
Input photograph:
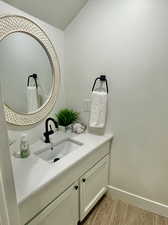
{"type": "Point", "coordinates": [34, 76]}
{"type": "Point", "coordinates": [101, 78]}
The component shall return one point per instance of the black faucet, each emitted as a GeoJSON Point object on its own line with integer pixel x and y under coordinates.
{"type": "Point", "coordinates": [48, 132]}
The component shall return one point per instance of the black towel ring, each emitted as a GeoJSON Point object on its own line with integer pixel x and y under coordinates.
{"type": "Point", "coordinates": [101, 78]}
{"type": "Point", "coordinates": [34, 76]}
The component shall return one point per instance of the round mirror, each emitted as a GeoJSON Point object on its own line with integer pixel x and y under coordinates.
{"type": "Point", "coordinates": [26, 73]}
{"type": "Point", "coordinates": [29, 71]}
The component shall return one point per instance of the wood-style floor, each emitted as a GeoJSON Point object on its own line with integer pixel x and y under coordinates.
{"type": "Point", "coordinates": [115, 212]}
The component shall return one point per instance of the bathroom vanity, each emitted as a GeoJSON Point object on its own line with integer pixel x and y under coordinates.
{"type": "Point", "coordinates": [67, 190]}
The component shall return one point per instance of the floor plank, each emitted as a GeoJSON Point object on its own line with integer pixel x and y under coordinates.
{"type": "Point", "coordinates": [116, 212]}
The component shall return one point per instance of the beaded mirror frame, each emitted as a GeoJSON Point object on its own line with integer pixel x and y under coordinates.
{"type": "Point", "coordinates": [13, 23]}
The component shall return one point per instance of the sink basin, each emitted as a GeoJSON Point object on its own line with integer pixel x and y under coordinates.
{"type": "Point", "coordinates": [59, 150]}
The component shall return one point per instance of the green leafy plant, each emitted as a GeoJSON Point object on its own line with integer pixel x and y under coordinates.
{"type": "Point", "coordinates": [66, 117]}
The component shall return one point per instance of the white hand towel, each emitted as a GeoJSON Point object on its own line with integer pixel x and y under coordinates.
{"type": "Point", "coordinates": [42, 93]}
{"type": "Point", "coordinates": [32, 99]}
{"type": "Point", "coordinates": [98, 109]}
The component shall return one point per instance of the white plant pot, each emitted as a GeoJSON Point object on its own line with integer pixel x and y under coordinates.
{"type": "Point", "coordinates": [64, 129]}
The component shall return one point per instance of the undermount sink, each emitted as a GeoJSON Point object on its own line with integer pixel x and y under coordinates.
{"type": "Point", "coordinates": [59, 150]}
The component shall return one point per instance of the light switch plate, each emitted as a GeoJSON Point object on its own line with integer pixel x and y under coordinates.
{"type": "Point", "coordinates": [86, 105]}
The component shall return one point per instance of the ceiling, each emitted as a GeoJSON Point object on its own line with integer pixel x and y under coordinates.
{"type": "Point", "coordinates": [58, 13]}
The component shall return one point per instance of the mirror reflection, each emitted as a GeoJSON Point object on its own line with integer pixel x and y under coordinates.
{"type": "Point", "coordinates": [25, 73]}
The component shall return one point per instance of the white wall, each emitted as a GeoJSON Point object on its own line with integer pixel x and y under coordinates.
{"type": "Point", "coordinates": [7, 189]}
{"type": "Point", "coordinates": [57, 38]}
{"type": "Point", "coordinates": [128, 41]}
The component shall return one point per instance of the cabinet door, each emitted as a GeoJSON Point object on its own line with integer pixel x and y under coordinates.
{"type": "Point", "coordinates": [93, 186]}
{"type": "Point", "coordinates": [63, 211]}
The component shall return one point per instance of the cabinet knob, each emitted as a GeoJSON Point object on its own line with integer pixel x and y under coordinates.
{"type": "Point", "coordinates": [76, 187]}
{"type": "Point", "coordinates": [84, 180]}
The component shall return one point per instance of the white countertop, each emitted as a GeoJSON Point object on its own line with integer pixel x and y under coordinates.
{"type": "Point", "coordinates": [32, 173]}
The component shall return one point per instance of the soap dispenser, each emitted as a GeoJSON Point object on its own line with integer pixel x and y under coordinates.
{"type": "Point", "coordinates": [24, 146]}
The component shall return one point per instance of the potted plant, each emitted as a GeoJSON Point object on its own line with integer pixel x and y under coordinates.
{"type": "Point", "coordinates": [66, 117]}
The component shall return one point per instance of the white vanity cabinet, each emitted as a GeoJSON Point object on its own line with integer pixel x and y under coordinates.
{"type": "Point", "coordinates": [68, 199]}
{"type": "Point", "coordinates": [76, 202]}
{"type": "Point", "coordinates": [63, 211]}
{"type": "Point", "coordinates": [93, 185]}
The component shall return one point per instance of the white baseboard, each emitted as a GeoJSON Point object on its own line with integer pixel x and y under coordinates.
{"type": "Point", "coordinates": [139, 201]}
